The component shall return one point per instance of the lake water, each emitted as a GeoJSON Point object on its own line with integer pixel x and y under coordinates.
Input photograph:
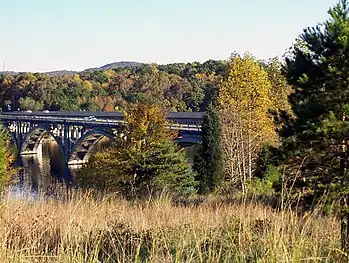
{"type": "Point", "coordinates": [45, 171]}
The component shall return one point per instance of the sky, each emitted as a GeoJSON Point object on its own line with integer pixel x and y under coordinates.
{"type": "Point", "coordinates": [47, 35]}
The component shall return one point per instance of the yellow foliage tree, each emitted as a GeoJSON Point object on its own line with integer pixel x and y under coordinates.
{"type": "Point", "coordinates": [146, 124]}
{"type": "Point", "coordinates": [280, 89]}
{"type": "Point", "coordinates": [87, 85]}
{"type": "Point", "coordinates": [244, 101]}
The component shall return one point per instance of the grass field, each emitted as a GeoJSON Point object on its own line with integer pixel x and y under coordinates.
{"type": "Point", "coordinates": [86, 229]}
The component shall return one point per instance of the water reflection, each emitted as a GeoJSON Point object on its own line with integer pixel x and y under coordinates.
{"type": "Point", "coordinates": [45, 171]}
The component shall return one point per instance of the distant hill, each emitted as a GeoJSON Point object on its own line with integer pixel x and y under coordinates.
{"type": "Point", "coordinates": [120, 64]}
{"type": "Point", "coordinates": [8, 72]}
{"type": "Point", "coordinates": [61, 73]}
{"type": "Point", "coordinates": [50, 73]}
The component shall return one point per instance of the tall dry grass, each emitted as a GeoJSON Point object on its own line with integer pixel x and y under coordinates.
{"type": "Point", "coordinates": [87, 229]}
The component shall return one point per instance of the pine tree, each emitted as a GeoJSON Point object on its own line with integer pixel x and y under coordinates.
{"type": "Point", "coordinates": [208, 163]}
{"type": "Point", "coordinates": [316, 154]}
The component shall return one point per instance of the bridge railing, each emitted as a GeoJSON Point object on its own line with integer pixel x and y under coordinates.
{"type": "Point", "coordinates": [187, 127]}
{"type": "Point", "coordinates": [175, 123]}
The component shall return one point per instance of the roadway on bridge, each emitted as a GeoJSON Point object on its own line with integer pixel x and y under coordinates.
{"type": "Point", "coordinates": [177, 120]}
{"type": "Point", "coordinates": [101, 114]}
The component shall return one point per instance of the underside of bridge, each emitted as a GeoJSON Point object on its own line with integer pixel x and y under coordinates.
{"type": "Point", "coordinates": [75, 151]}
{"type": "Point", "coordinates": [32, 141]}
{"type": "Point", "coordinates": [188, 138]}
{"type": "Point", "coordinates": [83, 148]}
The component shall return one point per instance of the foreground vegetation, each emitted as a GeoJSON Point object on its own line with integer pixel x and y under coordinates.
{"type": "Point", "coordinates": [87, 229]}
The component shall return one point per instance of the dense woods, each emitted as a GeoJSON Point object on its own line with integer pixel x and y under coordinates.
{"type": "Point", "coordinates": [177, 87]}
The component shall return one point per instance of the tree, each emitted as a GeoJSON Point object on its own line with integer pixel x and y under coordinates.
{"type": "Point", "coordinates": [244, 101]}
{"type": "Point", "coordinates": [30, 104]}
{"type": "Point", "coordinates": [145, 162]}
{"type": "Point", "coordinates": [280, 89]}
{"type": "Point", "coordinates": [208, 163]}
{"type": "Point", "coordinates": [6, 161]}
{"type": "Point", "coordinates": [281, 111]}
{"type": "Point", "coordinates": [146, 124]}
{"type": "Point", "coordinates": [318, 69]}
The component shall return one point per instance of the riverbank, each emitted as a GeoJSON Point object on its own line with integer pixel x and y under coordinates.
{"type": "Point", "coordinates": [84, 229]}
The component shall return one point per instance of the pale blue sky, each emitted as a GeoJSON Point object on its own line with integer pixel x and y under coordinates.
{"type": "Point", "coordinates": [44, 35]}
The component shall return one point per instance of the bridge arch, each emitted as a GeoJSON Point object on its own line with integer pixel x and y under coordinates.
{"type": "Point", "coordinates": [33, 139]}
{"type": "Point", "coordinates": [81, 150]}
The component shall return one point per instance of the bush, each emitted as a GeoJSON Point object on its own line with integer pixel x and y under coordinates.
{"type": "Point", "coordinates": [266, 185]}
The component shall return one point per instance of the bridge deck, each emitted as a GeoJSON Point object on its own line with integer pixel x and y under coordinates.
{"type": "Point", "coordinates": [100, 114]}
{"type": "Point", "coordinates": [176, 119]}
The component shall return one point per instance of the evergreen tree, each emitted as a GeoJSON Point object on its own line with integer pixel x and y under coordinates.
{"type": "Point", "coordinates": [208, 163]}
{"type": "Point", "coordinates": [316, 152]}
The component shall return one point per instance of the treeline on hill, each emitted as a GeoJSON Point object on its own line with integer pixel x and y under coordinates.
{"type": "Point", "coordinates": [175, 87]}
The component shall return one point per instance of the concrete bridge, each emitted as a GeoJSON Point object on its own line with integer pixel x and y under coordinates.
{"type": "Point", "coordinates": [76, 133]}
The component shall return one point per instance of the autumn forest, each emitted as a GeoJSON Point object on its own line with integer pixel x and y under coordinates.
{"type": "Point", "coordinates": [176, 87]}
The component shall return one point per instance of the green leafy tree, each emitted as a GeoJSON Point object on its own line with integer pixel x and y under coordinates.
{"type": "Point", "coordinates": [145, 162]}
{"type": "Point", "coordinates": [316, 151]}
{"type": "Point", "coordinates": [208, 163]}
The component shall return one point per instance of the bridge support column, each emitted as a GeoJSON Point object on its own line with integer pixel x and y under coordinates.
{"type": "Point", "coordinates": [66, 140]}
{"type": "Point", "coordinates": [19, 133]}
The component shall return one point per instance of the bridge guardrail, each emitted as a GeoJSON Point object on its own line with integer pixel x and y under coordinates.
{"type": "Point", "coordinates": [181, 124]}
